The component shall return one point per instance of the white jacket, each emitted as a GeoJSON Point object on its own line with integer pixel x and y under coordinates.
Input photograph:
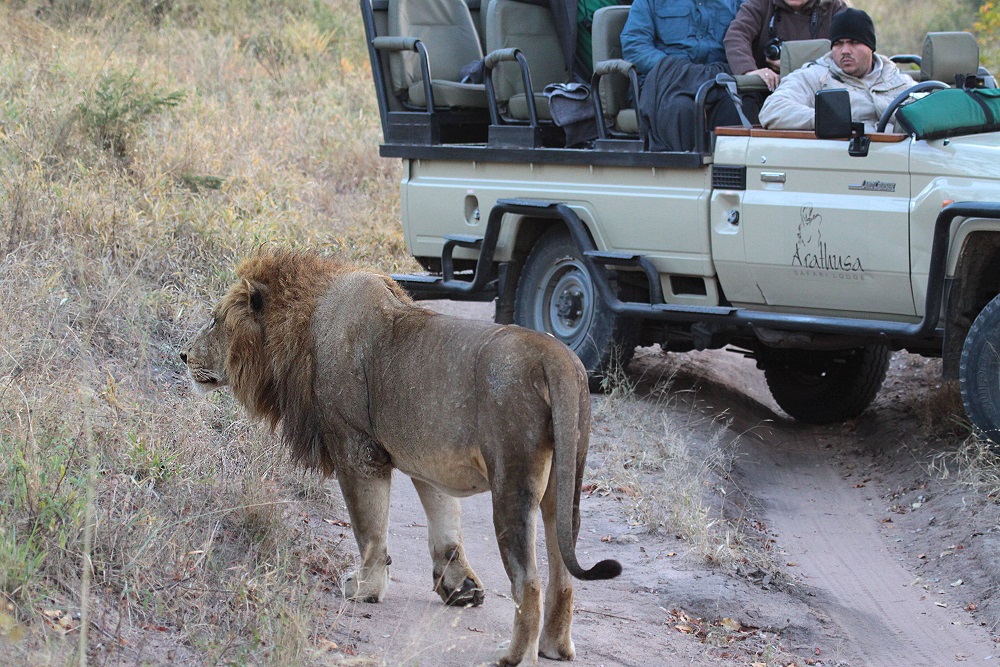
{"type": "Point", "coordinates": [792, 105]}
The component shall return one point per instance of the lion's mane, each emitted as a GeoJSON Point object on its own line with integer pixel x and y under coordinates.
{"type": "Point", "coordinates": [271, 362]}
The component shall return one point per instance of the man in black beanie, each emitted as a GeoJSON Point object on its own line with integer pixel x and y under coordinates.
{"type": "Point", "coordinates": [852, 38]}
{"type": "Point", "coordinates": [872, 80]}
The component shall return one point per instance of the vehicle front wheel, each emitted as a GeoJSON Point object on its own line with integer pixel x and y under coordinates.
{"type": "Point", "coordinates": [822, 387]}
{"type": "Point", "coordinates": [979, 372]}
{"type": "Point", "coordinates": [555, 294]}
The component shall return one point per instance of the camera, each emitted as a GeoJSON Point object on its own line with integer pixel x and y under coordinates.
{"type": "Point", "coordinates": [772, 50]}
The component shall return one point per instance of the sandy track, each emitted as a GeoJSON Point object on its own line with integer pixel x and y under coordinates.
{"type": "Point", "coordinates": [616, 623]}
{"type": "Point", "coordinates": [831, 532]}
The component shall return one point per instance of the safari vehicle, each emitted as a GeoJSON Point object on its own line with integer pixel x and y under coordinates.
{"type": "Point", "coordinates": [815, 253]}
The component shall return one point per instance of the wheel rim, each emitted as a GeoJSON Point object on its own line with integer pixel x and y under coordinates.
{"type": "Point", "coordinates": [566, 304]}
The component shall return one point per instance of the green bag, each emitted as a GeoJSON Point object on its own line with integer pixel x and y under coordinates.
{"type": "Point", "coordinates": [952, 112]}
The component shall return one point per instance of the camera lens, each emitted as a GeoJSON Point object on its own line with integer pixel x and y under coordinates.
{"type": "Point", "coordinates": [772, 50]}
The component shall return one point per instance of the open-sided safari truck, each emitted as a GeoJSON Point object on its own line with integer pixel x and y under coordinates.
{"type": "Point", "coordinates": [815, 253]}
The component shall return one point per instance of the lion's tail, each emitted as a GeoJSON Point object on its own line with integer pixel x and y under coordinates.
{"type": "Point", "coordinates": [570, 399]}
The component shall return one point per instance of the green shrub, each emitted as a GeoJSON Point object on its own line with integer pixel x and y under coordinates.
{"type": "Point", "coordinates": [114, 111]}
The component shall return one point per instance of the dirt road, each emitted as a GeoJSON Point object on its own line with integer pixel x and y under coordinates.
{"type": "Point", "coordinates": [880, 562]}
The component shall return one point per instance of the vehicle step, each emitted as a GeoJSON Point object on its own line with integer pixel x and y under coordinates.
{"type": "Point", "coordinates": [415, 278]}
{"type": "Point", "coordinates": [465, 240]}
{"type": "Point", "coordinates": [611, 257]}
{"type": "Point", "coordinates": [707, 310]}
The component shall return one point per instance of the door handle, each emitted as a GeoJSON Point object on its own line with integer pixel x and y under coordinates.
{"type": "Point", "coordinates": [772, 176]}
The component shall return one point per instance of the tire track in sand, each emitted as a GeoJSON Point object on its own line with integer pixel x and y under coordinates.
{"type": "Point", "coordinates": [830, 530]}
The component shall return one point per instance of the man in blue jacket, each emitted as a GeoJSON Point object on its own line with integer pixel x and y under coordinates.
{"type": "Point", "coordinates": [675, 45]}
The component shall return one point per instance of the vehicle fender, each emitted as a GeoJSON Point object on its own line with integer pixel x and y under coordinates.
{"type": "Point", "coordinates": [972, 280]}
{"type": "Point", "coordinates": [965, 237]}
{"type": "Point", "coordinates": [518, 234]}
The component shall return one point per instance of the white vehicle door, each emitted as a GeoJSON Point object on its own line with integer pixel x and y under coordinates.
{"type": "Point", "coordinates": [825, 230]}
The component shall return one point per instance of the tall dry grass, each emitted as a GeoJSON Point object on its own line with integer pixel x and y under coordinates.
{"type": "Point", "coordinates": [671, 465]}
{"type": "Point", "coordinates": [901, 25]}
{"type": "Point", "coordinates": [144, 148]}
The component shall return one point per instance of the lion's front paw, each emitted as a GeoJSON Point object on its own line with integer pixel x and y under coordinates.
{"type": "Point", "coordinates": [360, 590]}
{"type": "Point", "coordinates": [457, 584]}
{"type": "Point", "coordinates": [469, 594]}
{"type": "Point", "coordinates": [557, 649]}
{"type": "Point", "coordinates": [503, 658]}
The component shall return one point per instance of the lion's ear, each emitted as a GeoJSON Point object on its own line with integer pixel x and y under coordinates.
{"type": "Point", "coordinates": [255, 295]}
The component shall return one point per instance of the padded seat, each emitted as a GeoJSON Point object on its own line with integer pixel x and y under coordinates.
{"type": "Point", "coordinates": [530, 29]}
{"type": "Point", "coordinates": [607, 45]}
{"type": "Point", "coordinates": [796, 53]}
{"type": "Point", "coordinates": [947, 55]}
{"type": "Point", "coordinates": [448, 33]}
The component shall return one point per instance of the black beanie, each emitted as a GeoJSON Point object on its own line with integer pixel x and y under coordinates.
{"type": "Point", "coordinates": [853, 24]}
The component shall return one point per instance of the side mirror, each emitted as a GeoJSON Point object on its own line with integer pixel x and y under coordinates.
{"type": "Point", "coordinates": [833, 121]}
{"type": "Point", "coordinates": [833, 114]}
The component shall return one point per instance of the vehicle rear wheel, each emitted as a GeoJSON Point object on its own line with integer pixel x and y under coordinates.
{"type": "Point", "coordinates": [555, 294]}
{"type": "Point", "coordinates": [979, 372]}
{"type": "Point", "coordinates": [821, 387]}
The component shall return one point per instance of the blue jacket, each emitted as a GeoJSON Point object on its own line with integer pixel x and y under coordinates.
{"type": "Point", "coordinates": [686, 28]}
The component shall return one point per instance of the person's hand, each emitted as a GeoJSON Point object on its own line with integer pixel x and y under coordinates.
{"type": "Point", "coordinates": [769, 76]}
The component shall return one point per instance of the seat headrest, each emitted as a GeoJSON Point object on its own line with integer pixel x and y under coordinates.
{"type": "Point", "coordinates": [947, 54]}
{"type": "Point", "coordinates": [796, 53]}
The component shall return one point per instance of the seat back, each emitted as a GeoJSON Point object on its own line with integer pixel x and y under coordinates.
{"type": "Point", "coordinates": [607, 44]}
{"type": "Point", "coordinates": [530, 28]}
{"type": "Point", "coordinates": [947, 55]}
{"type": "Point", "coordinates": [447, 31]}
{"type": "Point", "coordinates": [795, 54]}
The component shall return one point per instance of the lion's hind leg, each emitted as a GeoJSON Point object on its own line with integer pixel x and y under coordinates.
{"type": "Point", "coordinates": [454, 579]}
{"type": "Point", "coordinates": [556, 641]}
{"type": "Point", "coordinates": [367, 500]}
{"type": "Point", "coordinates": [515, 505]}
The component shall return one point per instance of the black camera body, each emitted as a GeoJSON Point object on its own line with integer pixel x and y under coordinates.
{"type": "Point", "coordinates": [772, 50]}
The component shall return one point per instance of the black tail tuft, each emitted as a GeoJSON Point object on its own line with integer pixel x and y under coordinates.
{"type": "Point", "coordinates": [606, 569]}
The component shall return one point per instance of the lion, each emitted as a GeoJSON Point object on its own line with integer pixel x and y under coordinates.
{"type": "Point", "coordinates": [363, 380]}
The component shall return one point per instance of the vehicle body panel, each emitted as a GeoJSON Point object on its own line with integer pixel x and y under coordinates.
{"type": "Point", "coordinates": [666, 208]}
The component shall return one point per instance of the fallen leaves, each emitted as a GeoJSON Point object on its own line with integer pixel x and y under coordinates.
{"type": "Point", "coordinates": [731, 624]}
{"type": "Point", "coordinates": [691, 625]}
{"type": "Point", "coordinates": [61, 621]}
{"type": "Point", "coordinates": [686, 624]}
{"type": "Point", "coordinates": [732, 639]}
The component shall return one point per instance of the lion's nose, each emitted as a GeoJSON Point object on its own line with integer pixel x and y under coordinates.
{"type": "Point", "coordinates": [184, 357]}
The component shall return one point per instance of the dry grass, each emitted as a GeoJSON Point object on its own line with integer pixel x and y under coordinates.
{"type": "Point", "coordinates": [141, 153]}
{"type": "Point", "coordinates": [902, 24]}
{"type": "Point", "coordinates": [975, 464]}
{"type": "Point", "coordinates": [671, 466]}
